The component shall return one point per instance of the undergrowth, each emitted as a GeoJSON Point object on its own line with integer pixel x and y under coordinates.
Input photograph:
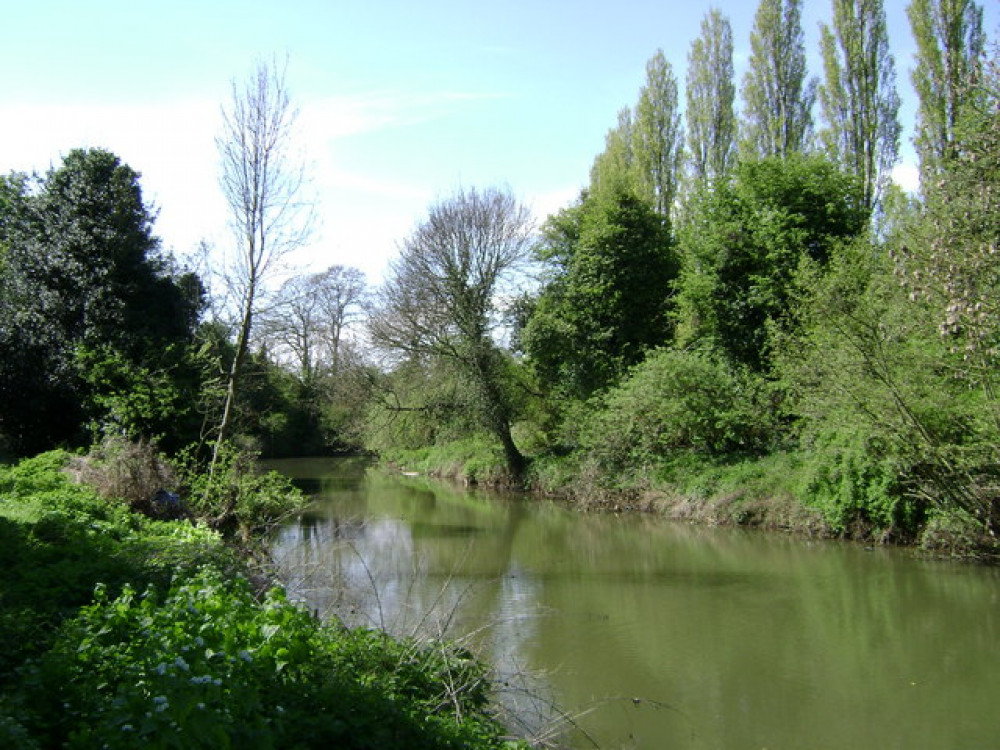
{"type": "Point", "coordinates": [120, 631]}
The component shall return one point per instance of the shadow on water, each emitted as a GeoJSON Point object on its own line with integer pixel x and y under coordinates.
{"type": "Point", "coordinates": [662, 635]}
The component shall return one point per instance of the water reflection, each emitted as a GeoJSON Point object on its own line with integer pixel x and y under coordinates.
{"type": "Point", "coordinates": [669, 636]}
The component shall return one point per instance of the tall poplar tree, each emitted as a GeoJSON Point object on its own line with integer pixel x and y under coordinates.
{"type": "Point", "coordinates": [658, 136]}
{"type": "Point", "coordinates": [711, 121]}
{"type": "Point", "coordinates": [949, 37]}
{"type": "Point", "coordinates": [643, 152]}
{"type": "Point", "coordinates": [615, 166]}
{"type": "Point", "coordinates": [858, 97]}
{"type": "Point", "coordinates": [777, 97]}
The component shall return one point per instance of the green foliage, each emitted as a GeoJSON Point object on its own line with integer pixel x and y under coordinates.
{"type": "Point", "coordinates": [657, 137]}
{"type": "Point", "coordinates": [82, 273]}
{"type": "Point", "coordinates": [209, 666]}
{"type": "Point", "coordinates": [237, 496]}
{"type": "Point", "coordinates": [133, 399]}
{"type": "Point", "coordinates": [607, 303]}
{"type": "Point", "coordinates": [949, 59]}
{"type": "Point", "coordinates": [711, 118]}
{"type": "Point", "coordinates": [427, 417]}
{"type": "Point", "coordinates": [473, 459]}
{"type": "Point", "coordinates": [870, 363]}
{"type": "Point", "coordinates": [58, 538]}
{"type": "Point", "coordinates": [743, 244]}
{"type": "Point", "coordinates": [858, 97]}
{"type": "Point", "coordinates": [421, 403]}
{"type": "Point", "coordinates": [858, 487]}
{"type": "Point", "coordinates": [677, 401]}
{"type": "Point", "coordinates": [644, 153]}
{"type": "Point", "coordinates": [201, 661]}
{"type": "Point", "coordinates": [777, 98]}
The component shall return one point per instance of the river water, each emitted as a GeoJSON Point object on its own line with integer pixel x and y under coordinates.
{"type": "Point", "coordinates": [633, 632]}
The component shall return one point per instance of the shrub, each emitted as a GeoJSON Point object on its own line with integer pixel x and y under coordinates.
{"type": "Point", "coordinates": [677, 401]}
{"type": "Point", "coordinates": [238, 496]}
{"type": "Point", "coordinates": [132, 471]}
{"type": "Point", "coordinates": [858, 487]}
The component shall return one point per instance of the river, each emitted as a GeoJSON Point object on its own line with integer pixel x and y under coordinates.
{"type": "Point", "coordinates": [634, 632]}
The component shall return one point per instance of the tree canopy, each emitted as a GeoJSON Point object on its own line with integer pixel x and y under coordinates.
{"type": "Point", "coordinates": [778, 96]}
{"type": "Point", "coordinates": [81, 272]}
{"type": "Point", "coordinates": [745, 240]}
{"type": "Point", "coordinates": [440, 298]}
{"type": "Point", "coordinates": [608, 299]}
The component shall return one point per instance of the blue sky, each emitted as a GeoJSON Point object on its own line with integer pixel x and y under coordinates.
{"type": "Point", "coordinates": [401, 102]}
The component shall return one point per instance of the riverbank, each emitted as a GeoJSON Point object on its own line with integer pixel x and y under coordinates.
{"type": "Point", "coordinates": [122, 630]}
{"type": "Point", "coordinates": [778, 493]}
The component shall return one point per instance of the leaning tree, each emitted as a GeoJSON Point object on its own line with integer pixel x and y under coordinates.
{"type": "Point", "coordinates": [440, 297]}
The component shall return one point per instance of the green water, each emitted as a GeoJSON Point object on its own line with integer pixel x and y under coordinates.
{"type": "Point", "coordinates": [648, 634]}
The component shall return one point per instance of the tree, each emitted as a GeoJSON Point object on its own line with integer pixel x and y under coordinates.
{"type": "Point", "coordinates": [440, 298]}
{"type": "Point", "coordinates": [858, 97]}
{"type": "Point", "coordinates": [263, 186]}
{"type": "Point", "coordinates": [340, 292]}
{"type": "Point", "coordinates": [309, 317]}
{"type": "Point", "coordinates": [607, 301]}
{"type": "Point", "coordinates": [744, 242]}
{"type": "Point", "coordinates": [949, 37]}
{"type": "Point", "coordinates": [711, 122]}
{"type": "Point", "coordinates": [896, 365]}
{"type": "Point", "coordinates": [85, 293]}
{"type": "Point", "coordinates": [615, 166]}
{"type": "Point", "coordinates": [644, 151]}
{"type": "Point", "coordinates": [657, 135]}
{"type": "Point", "coordinates": [777, 98]}
{"type": "Point", "coordinates": [949, 257]}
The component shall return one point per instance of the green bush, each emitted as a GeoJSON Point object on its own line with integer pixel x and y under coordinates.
{"type": "Point", "coordinates": [237, 497]}
{"type": "Point", "coordinates": [209, 666]}
{"type": "Point", "coordinates": [677, 401]}
{"type": "Point", "coordinates": [57, 539]}
{"type": "Point", "coordinates": [858, 487]}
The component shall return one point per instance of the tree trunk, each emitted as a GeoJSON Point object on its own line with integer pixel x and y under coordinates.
{"type": "Point", "coordinates": [497, 410]}
{"type": "Point", "coordinates": [232, 384]}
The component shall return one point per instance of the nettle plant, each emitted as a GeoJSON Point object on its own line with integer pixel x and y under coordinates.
{"type": "Point", "coordinates": [194, 670]}
{"type": "Point", "coordinates": [210, 666]}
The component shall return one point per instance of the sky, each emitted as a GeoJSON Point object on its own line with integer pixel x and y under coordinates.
{"type": "Point", "coordinates": [401, 102]}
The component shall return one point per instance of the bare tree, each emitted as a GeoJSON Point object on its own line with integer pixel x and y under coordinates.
{"type": "Point", "coordinates": [308, 320]}
{"type": "Point", "coordinates": [439, 299]}
{"type": "Point", "coordinates": [340, 294]}
{"type": "Point", "coordinates": [263, 185]}
{"type": "Point", "coordinates": [289, 327]}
